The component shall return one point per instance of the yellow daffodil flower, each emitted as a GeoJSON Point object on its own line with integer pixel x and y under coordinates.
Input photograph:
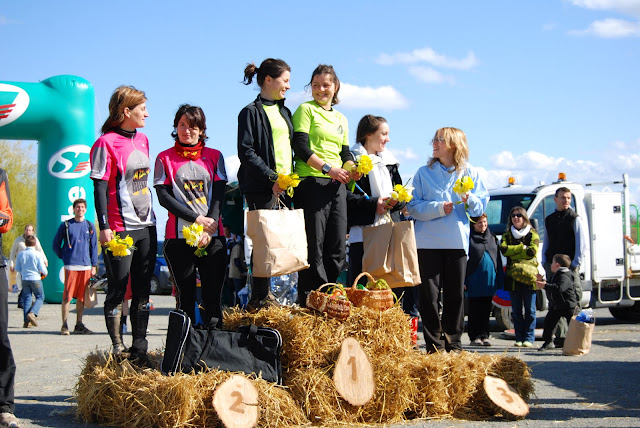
{"type": "Point", "coordinates": [463, 185]}
{"type": "Point", "coordinates": [192, 234]}
{"type": "Point", "coordinates": [364, 165]}
{"type": "Point", "coordinates": [120, 247]}
{"type": "Point", "coordinates": [288, 181]}
{"type": "Point", "coordinates": [402, 193]}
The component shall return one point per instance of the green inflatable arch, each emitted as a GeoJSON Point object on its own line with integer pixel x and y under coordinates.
{"type": "Point", "coordinates": [58, 113]}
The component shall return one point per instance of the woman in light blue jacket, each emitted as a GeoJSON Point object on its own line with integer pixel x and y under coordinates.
{"type": "Point", "coordinates": [442, 236]}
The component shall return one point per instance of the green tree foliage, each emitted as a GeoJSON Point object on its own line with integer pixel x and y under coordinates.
{"type": "Point", "coordinates": [17, 161]}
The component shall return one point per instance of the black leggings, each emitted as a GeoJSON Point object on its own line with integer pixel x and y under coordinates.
{"type": "Point", "coordinates": [183, 264]}
{"type": "Point", "coordinates": [442, 269]}
{"type": "Point", "coordinates": [7, 363]}
{"type": "Point", "coordinates": [140, 265]}
{"type": "Point", "coordinates": [324, 202]}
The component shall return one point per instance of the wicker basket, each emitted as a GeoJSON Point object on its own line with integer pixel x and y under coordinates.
{"type": "Point", "coordinates": [374, 299]}
{"type": "Point", "coordinates": [339, 309]}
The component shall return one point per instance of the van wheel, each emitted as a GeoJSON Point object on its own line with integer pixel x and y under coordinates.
{"type": "Point", "coordinates": [155, 285]}
{"type": "Point", "coordinates": [503, 318]}
{"type": "Point", "coordinates": [630, 313]}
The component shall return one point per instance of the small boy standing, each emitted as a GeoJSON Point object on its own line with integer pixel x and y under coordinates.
{"type": "Point", "coordinates": [561, 293]}
{"type": "Point", "coordinates": [30, 265]}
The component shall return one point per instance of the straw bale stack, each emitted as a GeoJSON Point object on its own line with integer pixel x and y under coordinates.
{"type": "Point", "coordinates": [409, 384]}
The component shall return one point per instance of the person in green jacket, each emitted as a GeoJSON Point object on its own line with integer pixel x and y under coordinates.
{"type": "Point", "coordinates": [520, 246]}
{"type": "Point", "coordinates": [324, 163]}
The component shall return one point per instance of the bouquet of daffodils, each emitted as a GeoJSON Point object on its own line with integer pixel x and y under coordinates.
{"type": "Point", "coordinates": [402, 193]}
{"type": "Point", "coordinates": [288, 182]}
{"type": "Point", "coordinates": [120, 247]}
{"type": "Point", "coordinates": [462, 187]}
{"type": "Point", "coordinates": [192, 234]}
{"type": "Point", "coordinates": [363, 165]}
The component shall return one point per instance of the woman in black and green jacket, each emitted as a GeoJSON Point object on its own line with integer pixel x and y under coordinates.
{"type": "Point", "coordinates": [520, 246]}
{"type": "Point", "coordinates": [265, 133]}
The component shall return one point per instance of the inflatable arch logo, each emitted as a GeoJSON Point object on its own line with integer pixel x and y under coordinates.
{"type": "Point", "coordinates": [59, 113]}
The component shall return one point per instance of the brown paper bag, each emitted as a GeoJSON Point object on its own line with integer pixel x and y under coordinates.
{"type": "Point", "coordinates": [375, 243]}
{"type": "Point", "coordinates": [401, 260]}
{"type": "Point", "coordinates": [279, 242]}
{"type": "Point", "coordinates": [578, 340]}
{"type": "Point", "coordinates": [90, 297]}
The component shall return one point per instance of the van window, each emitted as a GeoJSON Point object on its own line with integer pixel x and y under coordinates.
{"type": "Point", "coordinates": [547, 207]}
{"type": "Point", "coordinates": [499, 207]}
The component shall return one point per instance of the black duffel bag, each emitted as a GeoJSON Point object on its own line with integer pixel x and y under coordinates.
{"type": "Point", "coordinates": [250, 349]}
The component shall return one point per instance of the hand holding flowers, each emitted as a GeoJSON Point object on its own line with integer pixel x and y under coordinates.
{"type": "Point", "coordinates": [120, 247]}
{"type": "Point", "coordinates": [462, 187]}
{"type": "Point", "coordinates": [287, 182]}
{"type": "Point", "coordinates": [196, 237]}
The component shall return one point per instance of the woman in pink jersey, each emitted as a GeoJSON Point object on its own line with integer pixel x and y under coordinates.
{"type": "Point", "coordinates": [120, 170]}
{"type": "Point", "coordinates": [190, 181]}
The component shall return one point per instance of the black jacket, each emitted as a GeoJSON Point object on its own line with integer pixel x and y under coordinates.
{"type": "Point", "coordinates": [362, 212]}
{"type": "Point", "coordinates": [255, 146]}
{"type": "Point", "coordinates": [561, 291]}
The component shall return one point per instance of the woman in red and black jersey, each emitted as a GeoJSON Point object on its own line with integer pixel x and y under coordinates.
{"type": "Point", "coordinates": [190, 181]}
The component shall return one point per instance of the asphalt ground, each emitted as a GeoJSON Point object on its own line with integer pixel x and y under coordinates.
{"type": "Point", "coordinates": [601, 389]}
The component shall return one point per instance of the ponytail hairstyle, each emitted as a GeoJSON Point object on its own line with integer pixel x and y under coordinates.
{"type": "Point", "coordinates": [122, 97]}
{"type": "Point", "coordinates": [327, 69]}
{"type": "Point", "coordinates": [367, 126]}
{"type": "Point", "coordinates": [269, 67]}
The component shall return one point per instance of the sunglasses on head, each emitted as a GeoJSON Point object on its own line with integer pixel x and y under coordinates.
{"type": "Point", "coordinates": [516, 215]}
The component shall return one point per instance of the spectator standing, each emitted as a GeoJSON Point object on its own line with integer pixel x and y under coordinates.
{"type": "Point", "coordinates": [442, 236]}
{"type": "Point", "coordinates": [120, 174]}
{"type": "Point", "coordinates": [484, 276]}
{"type": "Point", "coordinates": [237, 269]}
{"type": "Point", "coordinates": [30, 265]}
{"type": "Point", "coordinates": [19, 246]}
{"type": "Point", "coordinates": [520, 246]}
{"type": "Point", "coordinates": [562, 295]}
{"type": "Point", "coordinates": [265, 133]}
{"type": "Point", "coordinates": [75, 243]}
{"type": "Point", "coordinates": [7, 363]}
{"type": "Point", "coordinates": [564, 234]}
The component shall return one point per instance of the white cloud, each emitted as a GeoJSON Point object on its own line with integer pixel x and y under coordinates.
{"type": "Point", "coordinates": [531, 168]}
{"type": "Point", "coordinates": [549, 27]}
{"type": "Point", "coordinates": [429, 75]}
{"type": "Point", "coordinates": [382, 97]}
{"type": "Point", "coordinates": [631, 7]}
{"type": "Point", "coordinates": [428, 55]}
{"type": "Point", "coordinates": [403, 155]}
{"type": "Point", "coordinates": [232, 164]}
{"type": "Point", "coordinates": [610, 29]}
{"type": "Point", "coordinates": [294, 99]}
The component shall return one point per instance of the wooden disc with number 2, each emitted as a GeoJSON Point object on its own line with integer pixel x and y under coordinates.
{"type": "Point", "coordinates": [236, 402]}
{"type": "Point", "coordinates": [353, 374]}
{"type": "Point", "coordinates": [505, 397]}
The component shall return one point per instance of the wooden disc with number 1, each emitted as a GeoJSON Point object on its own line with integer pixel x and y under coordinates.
{"type": "Point", "coordinates": [236, 402]}
{"type": "Point", "coordinates": [353, 374]}
{"type": "Point", "coordinates": [505, 397]}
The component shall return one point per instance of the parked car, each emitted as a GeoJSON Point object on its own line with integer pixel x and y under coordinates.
{"type": "Point", "coordinates": [161, 281]}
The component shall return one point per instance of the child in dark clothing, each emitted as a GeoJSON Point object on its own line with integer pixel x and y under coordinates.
{"type": "Point", "coordinates": [561, 293]}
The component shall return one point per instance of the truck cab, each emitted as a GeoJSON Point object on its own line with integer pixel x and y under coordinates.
{"type": "Point", "coordinates": [607, 272]}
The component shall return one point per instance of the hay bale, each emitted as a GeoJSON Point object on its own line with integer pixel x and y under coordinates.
{"type": "Point", "coordinates": [118, 393]}
{"type": "Point", "coordinates": [409, 384]}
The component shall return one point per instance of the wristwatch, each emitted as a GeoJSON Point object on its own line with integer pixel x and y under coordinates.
{"type": "Point", "coordinates": [326, 168]}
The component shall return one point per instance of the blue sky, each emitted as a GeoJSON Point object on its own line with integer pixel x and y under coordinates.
{"type": "Point", "coordinates": [539, 87]}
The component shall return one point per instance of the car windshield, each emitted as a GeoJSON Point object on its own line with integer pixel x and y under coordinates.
{"type": "Point", "coordinates": [499, 207]}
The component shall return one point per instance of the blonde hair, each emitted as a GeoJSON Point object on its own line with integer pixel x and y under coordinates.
{"type": "Point", "coordinates": [456, 139]}
{"type": "Point", "coordinates": [123, 97]}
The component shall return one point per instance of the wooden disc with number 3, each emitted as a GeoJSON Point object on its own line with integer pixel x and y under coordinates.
{"type": "Point", "coordinates": [505, 397]}
{"type": "Point", "coordinates": [353, 374]}
{"type": "Point", "coordinates": [236, 402]}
